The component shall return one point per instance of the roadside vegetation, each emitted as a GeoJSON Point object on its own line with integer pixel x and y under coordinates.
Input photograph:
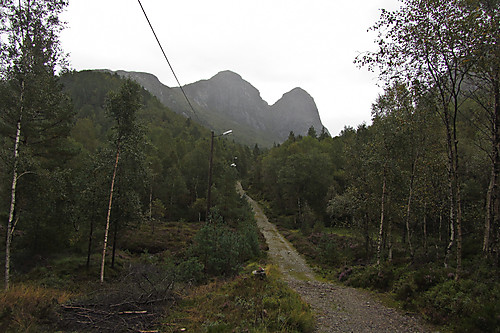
{"type": "Point", "coordinates": [246, 304]}
{"type": "Point", "coordinates": [419, 285]}
{"type": "Point", "coordinates": [407, 205]}
{"type": "Point", "coordinates": [165, 281]}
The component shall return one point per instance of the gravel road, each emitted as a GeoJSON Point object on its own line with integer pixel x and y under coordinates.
{"type": "Point", "coordinates": [337, 308]}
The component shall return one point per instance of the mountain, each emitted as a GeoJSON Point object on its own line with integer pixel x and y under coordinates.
{"type": "Point", "coordinates": [227, 101]}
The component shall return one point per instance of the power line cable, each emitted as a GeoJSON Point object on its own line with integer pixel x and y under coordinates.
{"type": "Point", "coordinates": [166, 58]}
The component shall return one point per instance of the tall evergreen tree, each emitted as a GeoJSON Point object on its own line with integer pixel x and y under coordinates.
{"type": "Point", "coordinates": [35, 114]}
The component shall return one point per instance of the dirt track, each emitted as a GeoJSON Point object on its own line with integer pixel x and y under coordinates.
{"type": "Point", "coordinates": [337, 308]}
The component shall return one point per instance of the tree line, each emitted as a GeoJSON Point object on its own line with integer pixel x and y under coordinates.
{"type": "Point", "coordinates": [86, 155]}
{"type": "Point", "coordinates": [424, 174]}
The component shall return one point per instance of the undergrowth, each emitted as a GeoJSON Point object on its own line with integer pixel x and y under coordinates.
{"type": "Point", "coordinates": [154, 266]}
{"type": "Point", "coordinates": [245, 304]}
{"type": "Point", "coordinates": [469, 304]}
{"type": "Point", "coordinates": [30, 308]}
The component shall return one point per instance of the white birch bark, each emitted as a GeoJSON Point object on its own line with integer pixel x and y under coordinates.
{"type": "Point", "coordinates": [109, 214]}
{"type": "Point", "coordinates": [381, 229]}
{"type": "Point", "coordinates": [10, 224]}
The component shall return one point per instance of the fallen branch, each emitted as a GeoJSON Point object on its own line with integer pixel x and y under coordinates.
{"type": "Point", "coordinates": [132, 312]}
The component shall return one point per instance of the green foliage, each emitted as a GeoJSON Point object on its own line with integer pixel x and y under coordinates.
{"type": "Point", "coordinates": [295, 177]}
{"type": "Point", "coordinates": [35, 119]}
{"type": "Point", "coordinates": [222, 249]}
{"type": "Point", "coordinates": [190, 270]}
{"type": "Point", "coordinates": [474, 304]}
{"type": "Point", "coordinates": [166, 157]}
{"type": "Point", "coordinates": [247, 303]}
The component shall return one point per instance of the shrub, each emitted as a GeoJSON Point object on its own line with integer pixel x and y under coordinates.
{"type": "Point", "coordinates": [190, 270]}
{"type": "Point", "coordinates": [221, 249]}
{"type": "Point", "coordinates": [328, 251]}
{"type": "Point", "coordinates": [471, 305]}
{"type": "Point", "coordinates": [371, 277]}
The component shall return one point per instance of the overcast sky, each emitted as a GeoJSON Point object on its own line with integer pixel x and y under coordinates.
{"type": "Point", "coordinates": [276, 45]}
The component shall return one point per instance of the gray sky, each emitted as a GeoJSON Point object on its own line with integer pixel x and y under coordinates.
{"type": "Point", "coordinates": [276, 45]}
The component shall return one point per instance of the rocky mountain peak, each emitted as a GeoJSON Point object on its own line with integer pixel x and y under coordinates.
{"type": "Point", "coordinates": [228, 101]}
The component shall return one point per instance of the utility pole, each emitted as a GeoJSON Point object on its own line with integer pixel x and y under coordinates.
{"type": "Point", "coordinates": [210, 165]}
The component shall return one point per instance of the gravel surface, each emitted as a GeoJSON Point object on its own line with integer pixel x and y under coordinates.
{"type": "Point", "coordinates": [337, 308]}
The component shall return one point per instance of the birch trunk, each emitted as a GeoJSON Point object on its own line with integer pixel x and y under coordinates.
{"type": "Point", "coordinates": [492, 197]}
{"type": "Point", "coordinates": [381, 229]}
{"type": "Point", "coordinates": [10, 224]}
{"type": "Point", "coordinates": [458, 195]}
{"type": "Point", "coordinates": [451, 192]}
{"type": "Point", "coordinates": [106, 231]}
{"type": "Point", "coordinates": [408, 206]}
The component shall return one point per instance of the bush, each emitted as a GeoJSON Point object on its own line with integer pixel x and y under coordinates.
{"type": "Point", "coordinates": [473, 306]}
{"type": "Point", "coordinates": [221, 250]}
{"type": "Point", "coordinates": [328, 251]}
{"type": "Point", "coordinates": [216, 248]}
{"type": "Point", "coordinates": [190, 270]}
{"type": "Point", "coordinates": [371, 277]}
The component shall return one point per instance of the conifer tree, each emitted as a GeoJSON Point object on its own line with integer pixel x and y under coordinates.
{"type": "Point", "coordinates": [35, 113]}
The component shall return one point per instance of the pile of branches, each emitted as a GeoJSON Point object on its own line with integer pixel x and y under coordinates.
{"type": "Point", "coordinates": [132, 304]}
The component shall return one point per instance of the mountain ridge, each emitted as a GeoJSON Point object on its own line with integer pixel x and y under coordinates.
{"type": "Point", "coordinates": [226, 100]}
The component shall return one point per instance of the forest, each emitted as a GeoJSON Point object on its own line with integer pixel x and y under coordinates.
{"type": "Point", "coordinates": [100, 183]}
{"type": "Point", "coordinates": [408, 204]}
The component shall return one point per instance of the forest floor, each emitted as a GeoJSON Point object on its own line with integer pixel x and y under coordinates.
{"type": "Point", "coordinates": [337, 308]}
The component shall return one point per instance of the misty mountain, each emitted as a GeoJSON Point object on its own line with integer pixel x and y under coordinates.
{"type": "Point", "coordinates": [227, 101]}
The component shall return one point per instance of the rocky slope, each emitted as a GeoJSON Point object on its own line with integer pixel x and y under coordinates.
{"type": "Point", "coordinates": [227, 101]}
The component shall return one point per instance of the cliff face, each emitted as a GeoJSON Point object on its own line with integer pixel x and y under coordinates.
{"type": "Point", "coordinates": [228, 101]}
{"type": "Point", "coordinates": [296, 111]}
{"type": "Point", "coordinates": [232, 97]}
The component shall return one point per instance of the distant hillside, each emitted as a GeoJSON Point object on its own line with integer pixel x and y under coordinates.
{"type": "Point", "coordinates": [227, 101]}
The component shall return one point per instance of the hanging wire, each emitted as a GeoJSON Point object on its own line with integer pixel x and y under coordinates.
{"type": "Point", "coordinates": [166, 58]}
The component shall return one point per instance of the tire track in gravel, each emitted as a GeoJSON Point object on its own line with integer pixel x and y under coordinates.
{"type": "Point", "coordinates": [337, 308]}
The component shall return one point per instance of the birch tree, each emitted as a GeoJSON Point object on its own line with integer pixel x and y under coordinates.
{"type": "Point", "coordinates": [34, 111]}
{"type": "Point", "coordinates": [431, 43]}
{"type": "Point", "coordinates": [122, 107]}
{"type": "Point", "coordinates": [485, 79]}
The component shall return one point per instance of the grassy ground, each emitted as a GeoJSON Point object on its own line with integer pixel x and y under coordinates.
{"type": "Point", "coordinates": [62, 294]}
{"type": "Point", "coordinates": [245, 304]}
